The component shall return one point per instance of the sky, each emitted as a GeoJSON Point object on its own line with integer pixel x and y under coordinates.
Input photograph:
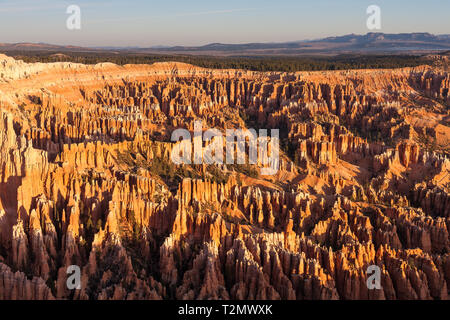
{"type": "Point", "coordinates": [147, 23]}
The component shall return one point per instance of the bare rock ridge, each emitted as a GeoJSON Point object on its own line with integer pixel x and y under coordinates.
{"type": "Point", "coordinates": [86, 179]}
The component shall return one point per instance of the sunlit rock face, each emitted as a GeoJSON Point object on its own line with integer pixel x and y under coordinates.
{"type": "Point", "coordinates": [86, 179]}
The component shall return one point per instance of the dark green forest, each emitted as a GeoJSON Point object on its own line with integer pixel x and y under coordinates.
{"type": "Point", "coordinates": [267, 63]}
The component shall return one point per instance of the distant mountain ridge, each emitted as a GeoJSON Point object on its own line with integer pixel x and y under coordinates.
{"type": "Point", "coordinates": [347, 44]}
{"type": "Point", "coordinates": [378, 36]}
{"type": "Point", "coordinates": [352, 43]}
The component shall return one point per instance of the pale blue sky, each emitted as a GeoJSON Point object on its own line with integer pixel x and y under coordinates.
{"type": "Point", "coordinates": [197, 22]}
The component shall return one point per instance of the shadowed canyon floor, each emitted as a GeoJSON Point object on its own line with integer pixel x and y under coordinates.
{"type": "Point", "coordinates": [86, 179]}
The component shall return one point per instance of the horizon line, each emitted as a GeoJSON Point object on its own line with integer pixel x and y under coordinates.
{"type": "Point", "coordinates": [211, 43]}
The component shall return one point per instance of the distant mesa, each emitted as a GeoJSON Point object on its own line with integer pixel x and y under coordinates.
{"type": "Point", "coordinates": [373, 42]}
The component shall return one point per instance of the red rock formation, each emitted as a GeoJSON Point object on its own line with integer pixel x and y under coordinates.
{"type": "Point", "coordinates": [86, 179]}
